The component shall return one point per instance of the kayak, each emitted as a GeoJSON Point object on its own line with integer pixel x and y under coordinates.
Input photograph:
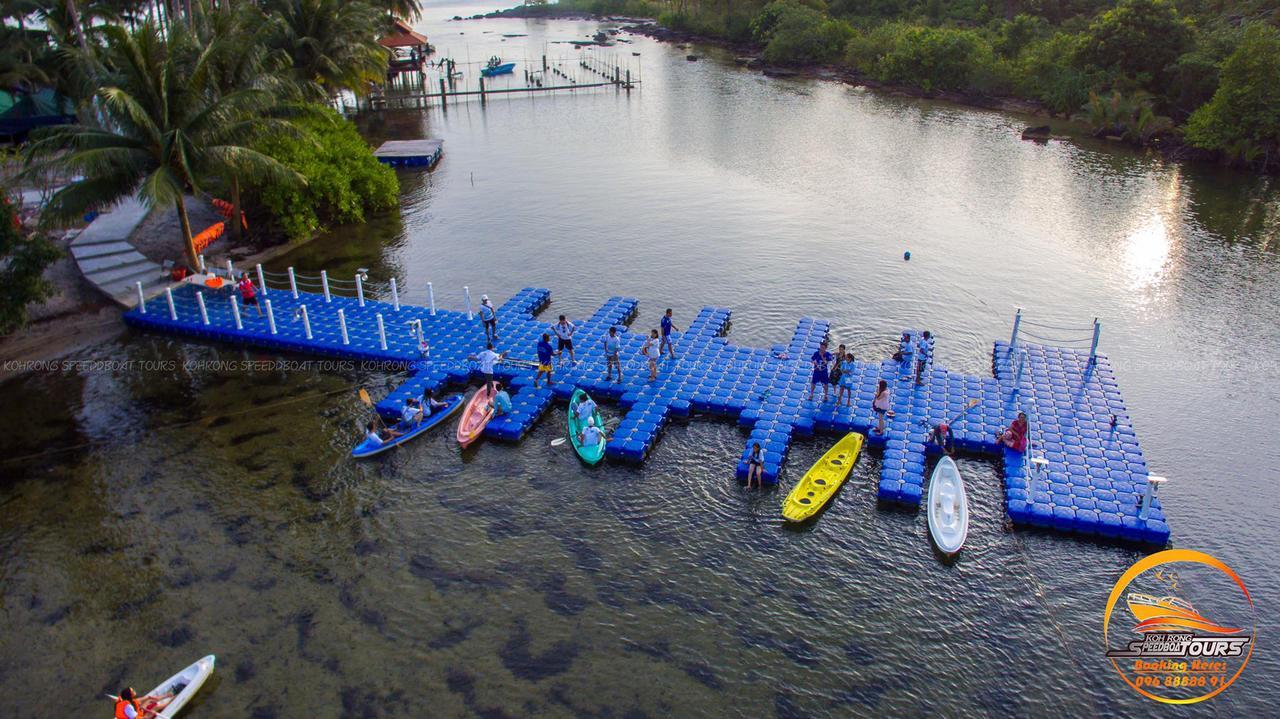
{"type": "Point", "coordinates": [181, 687]}
{"type": "Point", "coordinates": [368, 449]}
{"type": "Point", "coordinates": [477, 414]}
{"type": "Point", "coordinates": [948, 507]}
{"type": "Point", "coordinates": [590, 455]}
{"type": "Point", "coordinates": [822, 480]}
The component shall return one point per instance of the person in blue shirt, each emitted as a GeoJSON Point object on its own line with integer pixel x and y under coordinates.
{"type": "Point", "coordinates": [667, 328]}
{"type": "Point", "coordinates": [612, 350]}
{"type": "Point", "coordinates": [501, 400]}
{"type": "Point", "coordinates": [489, 319]}
{"type": "Point", "coordinates": [821, 371]}
{"type": "Point", "coordinates": [545, 353]}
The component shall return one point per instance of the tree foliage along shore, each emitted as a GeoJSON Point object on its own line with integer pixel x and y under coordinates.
{"type": "Point", "coordinates": [202, 97]}
{"type": "Point", "coordinates": [1142, 70]}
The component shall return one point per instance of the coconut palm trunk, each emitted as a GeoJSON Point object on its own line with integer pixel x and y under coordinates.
{"type": "Point", "coordinates": [193, 257]}
{"type": "Point", "coordinates": [236, 221]}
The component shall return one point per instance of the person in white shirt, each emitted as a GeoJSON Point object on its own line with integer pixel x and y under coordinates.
{"type": "Point", "coordinates": [652, 350]}
{"type": "Point", "coordinates": [487, 359]}
{"type": "Point", "coordinates": [564, 330]}
{"type": "Point", "coordinates": [591, 435]}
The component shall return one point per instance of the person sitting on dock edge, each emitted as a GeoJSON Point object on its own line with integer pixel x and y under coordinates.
{"type": "Point", "coordinates": [821, 360]}
{"type": "Point", "coordinates": [489, 319]}
{"type": "Point", "coordinates": [1015, 437]}
{"type": "Point", "coordinates": [612, 348]}
{"type": "Point", "coordinates": [667, 328]}
{"type": "Point", "coordinates": [544, 360]}
{"type": "Point", "coordinates": [755, 466]}
{"type": "Point", "coordinates": [564, 330]}
{"type": "Point", "coordinates": [501, 400]}
{"type": "Point", "coordinates": [487, 359]}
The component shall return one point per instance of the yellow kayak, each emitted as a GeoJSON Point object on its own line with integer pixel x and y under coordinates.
{"type": "Point", "coordinates": [823, 479]}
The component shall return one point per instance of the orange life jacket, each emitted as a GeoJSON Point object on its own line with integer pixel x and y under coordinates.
{"type": "Point", "coordinates": [122, 703]}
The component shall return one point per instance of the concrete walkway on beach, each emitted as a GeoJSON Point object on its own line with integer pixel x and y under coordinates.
{"type": "Point", "coordinates": [110, 262]}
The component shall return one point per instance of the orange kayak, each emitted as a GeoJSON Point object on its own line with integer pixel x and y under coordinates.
{"type": "Point", "coordinates": [478, 412]}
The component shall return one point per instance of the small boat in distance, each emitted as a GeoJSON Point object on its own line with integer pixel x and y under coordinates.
{"type": "Point", "coordinates": [497, 67]}
{"type": "Point", "coordinates": [591, 455]}
{"type": "Point", "coordinates": [948, 507]}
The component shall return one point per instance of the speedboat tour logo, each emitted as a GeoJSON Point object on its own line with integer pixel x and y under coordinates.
{"type": "Point", "coordinates": [1175, 652]}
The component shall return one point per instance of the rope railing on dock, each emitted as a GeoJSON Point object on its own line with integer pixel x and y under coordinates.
{"type": "Point", "coordinates": [1094, 330]}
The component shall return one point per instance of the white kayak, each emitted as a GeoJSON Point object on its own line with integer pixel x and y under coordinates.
{"type": "Point", "coordinates": [181, 686]}
{"type": "Point", "coordinates": [948, 507]}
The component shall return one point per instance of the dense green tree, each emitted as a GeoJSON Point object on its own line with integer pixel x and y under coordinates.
{"type": "Point", "coordinates": [23, 259]}
{"type": "Point", "coordinates": [331, 44]}
{"type": "Point", "coordinates": [1243, 118]}
{"type": "Point", "coordinates": [156, 129]}
{"type": "Point", "coordinates": [1140, 40]}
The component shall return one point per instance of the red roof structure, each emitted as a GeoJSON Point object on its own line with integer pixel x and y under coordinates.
{"type": "Point", "coordinates": [404, 36]}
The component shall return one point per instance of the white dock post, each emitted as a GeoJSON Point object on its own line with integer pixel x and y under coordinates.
{"type": "Point", "coordinates": [431, 298]}
{"type": "Point", "coordinates": [293, 284]}
{"type": "Point", "coordinates": [395, 295]}
{"type": "Point", "coordinates": [204, 314]}
{"type": "Point", "coordinates": [271, 318]}
{"type": "Point", "coordinates": [342, 323]}
{"type": "Point", "coordinates": [203, 268]}
{"type": "Point", "coordinates": [306, 321]}
{"type": "Point", "coordinates": [467, 291]}
{"type": "Point", "coordinates": [359, 290]}
{"type": "Point", "coordinates": [324, 280]}
{"type": "Point", "coordinates": [231, 271]}
{"type": "Point", "coordinates": [142, 300]}
{"type": "Point", "coordinates": [1017, 377]}
{"type": "Point", "coordinates": [1153, 483]}
{"type": "Point", "coordinates": [262, 280]}
{"type": "Point", "coordinates": [1017, 320]}
{"type": "Point", "coordinates": [235, 312]}
{"type": "Point", "coordinates": [1097, 334]}
{"type": "Point", "coordinates": [382, 332]}
{"type": "Point", "coordinates": [173, 311]}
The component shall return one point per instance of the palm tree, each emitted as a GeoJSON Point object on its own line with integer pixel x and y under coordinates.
{"type": "Point", "coordinates": [157, 128]}
{"type": "Point", "coordinates": [332, 44]}
{"type": "Point", "coordinates": [409, 10]}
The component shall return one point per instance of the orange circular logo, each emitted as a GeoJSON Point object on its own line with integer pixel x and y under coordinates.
{"type": "Point", "coordinates": [1193, 626]}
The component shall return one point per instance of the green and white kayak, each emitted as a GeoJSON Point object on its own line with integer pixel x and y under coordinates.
{"type": "Point", "coordinates": [595, 453]}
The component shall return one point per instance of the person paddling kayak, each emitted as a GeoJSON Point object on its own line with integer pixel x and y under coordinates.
{"type": "Point", "coordinates": [129, 706]}
{"type": "Point", "coordinates": [586, 409]}
{"type": "Point", "coordinates": [591, 435]}
{"type": "Point", "coordinates": [378, 437]}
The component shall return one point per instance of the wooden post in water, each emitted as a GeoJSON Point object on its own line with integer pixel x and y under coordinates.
{"type": "Point", "coordinates": [482, 89]}
{"type": "Point", "coordinates": [443, 102]}
{"type": "Point", "coordinates": [544, 63]}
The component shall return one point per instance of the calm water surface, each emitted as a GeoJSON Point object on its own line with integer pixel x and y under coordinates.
{"type": "Point", "coordinates": [212, 509]}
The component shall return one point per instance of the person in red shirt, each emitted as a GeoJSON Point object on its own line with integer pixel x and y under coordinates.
{"type": "Point", "coordinates": [248, 293]}
{"type": "Point", "coordinates": [1015, 437]}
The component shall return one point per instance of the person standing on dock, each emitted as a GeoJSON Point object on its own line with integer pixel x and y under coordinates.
{"type": "Point", "coordinates": [923, 350]}
{"type": "Point", "coordinates": [881, 404]}
{"type": "Point", "coordinates": [612, 349]}
{"type": "Point", "coordinates": [487, 359]}
{"type": "Point", "coordinates": [842, 373]}
{"type": "Point", "coordinates": [564, 330]}
{"type": "Point", "coordinates": [488, 318]}
{"type": "Point", "coordinates": [821, 371]}
{"type": "Point", "coordinates": [667, 328]}
{"type": "Point", "coordinates": [544, 360]}
{"type": "Point", "coordinates": [248, 293]}
{"type": "Point", "coordinates": [652, 350]}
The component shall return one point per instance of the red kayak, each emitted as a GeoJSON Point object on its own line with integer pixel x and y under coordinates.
{"type": "Point", "coordinates": [477, 414]}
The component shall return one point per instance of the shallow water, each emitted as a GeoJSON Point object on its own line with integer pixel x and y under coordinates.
{"type": "Point", "coordinates": [161, 511]}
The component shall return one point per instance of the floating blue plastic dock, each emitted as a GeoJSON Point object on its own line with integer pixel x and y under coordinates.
{"type": "Point", "coordinates": [1091, 481]}
{"type": "Point", "coordinates": [410, 153]}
